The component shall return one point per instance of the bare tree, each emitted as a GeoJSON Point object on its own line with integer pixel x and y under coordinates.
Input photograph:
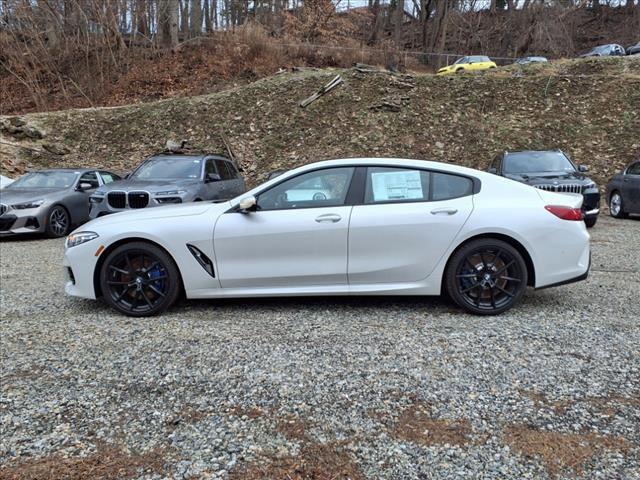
{"type": "Point", "coordinates": [196, 18]}
{"type": "Point", "coordinates": [168, 23]}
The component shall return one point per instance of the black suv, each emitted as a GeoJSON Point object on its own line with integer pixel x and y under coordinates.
{"type": "Point", "coordinates": [552, 171]}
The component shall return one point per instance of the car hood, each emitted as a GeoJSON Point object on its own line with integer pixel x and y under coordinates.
{"type": "Point", "coordinates": [558, 178]}
{"type": "Point", "coordinates": [126, 218]}
{"type": "Point", "coordinates": [150, 186]}
{"type": "Point", "coordinates": [11, 196]}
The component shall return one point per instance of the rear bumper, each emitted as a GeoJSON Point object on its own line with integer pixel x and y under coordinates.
{"type": "Point", "coordinates": [579, 278]}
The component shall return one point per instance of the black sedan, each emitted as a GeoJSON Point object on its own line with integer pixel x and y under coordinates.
{"type": "Point", "coordinates": [623, 191]}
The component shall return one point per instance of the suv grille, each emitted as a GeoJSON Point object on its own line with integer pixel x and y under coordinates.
{"type": "Point", "coordinates": [566, 188]}
{"type": "Point", "coordinates": [117, 199]}
{"type": "Point", "coordinates": [138, 199]}
{"type": "Point", "coordinates": [3, 208]}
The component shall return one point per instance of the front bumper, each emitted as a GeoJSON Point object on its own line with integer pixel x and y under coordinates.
{"type": "Point", "coordinates": [79, 265]}
{"type": "Point", "coordinates": [28, 220]}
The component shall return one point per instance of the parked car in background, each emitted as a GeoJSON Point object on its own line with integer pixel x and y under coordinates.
{"type": "Point", "coordinates": [529, 60]}
{"type": "Point", "coordinates": [552, 171]}
{"type": "Point", "coordinates": [623, 191]}
{"type": "Point", "coordinates": [610, 50]}
{"type": "Point", "coordinates": [4, 181]}
{"type": "Point", "coordinates": [471, 63]}
{"type": "Point", "coordinates": [169, 178]}
{"type": "Point", "coordinates": [634, 49]}
{"type": "Point", "coordinates": [50, 201]}
{"type": "Point", "coordinates": [383, 227]}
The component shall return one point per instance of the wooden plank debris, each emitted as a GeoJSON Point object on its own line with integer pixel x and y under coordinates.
{"type": "Point", "coordinates": [337, 80]}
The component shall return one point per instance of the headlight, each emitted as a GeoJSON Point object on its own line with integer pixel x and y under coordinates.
{"type": "Point", "coordinates": [98, 193]}
{"type": "Point", "coordinates": [590, 185]}
{"type": "Point", "coordinates": [22, 206]}
{"type": "Point", "coordinates": [170, 192]}
{"type": "Point", "coordinates": [79, 238]}
{"type": "Point", "coordinates": [96, 198]}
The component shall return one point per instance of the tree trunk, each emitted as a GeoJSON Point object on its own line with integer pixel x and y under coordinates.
{"type": "Point", "coordinates": [375, 24]}
{"type": "Point", "coordinates": [207, 17]}
{"type": "Point", "coordinates": [168, 23]}
{"type": "Point", "coordinates": [196, 18]}
{"type": "Point", "coordinates": [397, 27]}
{"type": "Point", "coordinates": [184, 16]}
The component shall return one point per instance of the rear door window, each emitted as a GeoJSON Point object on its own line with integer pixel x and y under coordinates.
{"type": "Point", "coordinates": [388, 184]}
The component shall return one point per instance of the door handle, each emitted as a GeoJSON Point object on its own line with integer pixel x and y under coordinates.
{"type": "Point", "coordinates": [328, 217]}
{"type": "Point", "coordinates": [444, 211]}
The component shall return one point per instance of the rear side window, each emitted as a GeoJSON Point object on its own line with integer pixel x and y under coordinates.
{"type": "Point", "coordinates": [446, 186]}
{"type": "Point", "coordinates": [386, 184]}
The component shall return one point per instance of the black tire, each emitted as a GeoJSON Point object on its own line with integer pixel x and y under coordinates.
{"type": "Point", "coordinates": [486, 276]}
{"type": "Point", "coordinates": [590, 222]}
{"type": "Point", "coordinates": [140, 280]}
{"type": "Point", "coordinates": [616, 205]}
{"type": "Point", "coordinates": [460, 70]}
{"type": "Point", "coordinates": [58, 222]}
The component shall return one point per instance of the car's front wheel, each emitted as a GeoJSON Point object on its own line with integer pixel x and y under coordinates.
{"type": "Point", "coordinates": [616, 206]}
{"type": "Point", "coordinates": [58, 222]}
{"type": "Point", "coordinates": [140, 279]}
{"type": "Point", "coordinates": [486, 276]}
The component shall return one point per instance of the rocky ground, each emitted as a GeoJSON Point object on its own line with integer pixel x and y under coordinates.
{"type": "Point", "coordinates": [394, 388]}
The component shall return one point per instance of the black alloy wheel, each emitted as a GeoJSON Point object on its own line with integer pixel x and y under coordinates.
{"type": "Point", "coordinates": [58, 222]}
{"type": "Point", "coordinates": [140, 279]}
{"type": "Point", "coordinates": [486, 276]}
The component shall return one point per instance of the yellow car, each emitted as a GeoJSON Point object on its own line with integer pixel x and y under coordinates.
{"type": "Point", "coordinates": [473, 63]}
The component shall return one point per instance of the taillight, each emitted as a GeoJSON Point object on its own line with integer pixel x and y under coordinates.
{"type": "Point", "coordinates": [565, 213]}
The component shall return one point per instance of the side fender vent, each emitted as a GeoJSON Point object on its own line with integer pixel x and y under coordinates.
{"type": "Point", "coordinates": [204, 261]}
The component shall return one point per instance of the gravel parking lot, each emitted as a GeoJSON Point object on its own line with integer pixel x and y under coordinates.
{"type": "Point", "coordinates": [323, 388]}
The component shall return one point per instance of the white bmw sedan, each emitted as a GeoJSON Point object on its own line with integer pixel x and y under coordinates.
{"type": "Point", "coordinates": [379, 227]}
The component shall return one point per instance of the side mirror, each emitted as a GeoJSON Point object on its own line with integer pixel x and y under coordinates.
{"type": "Point", "coordinates": [583, 168]}
{"type": "Point", "coordinates": [83, 186]}
{"type": "Point", "coordinates": [247, 204]}
{"type": "Point", "coordinates": [212, 177]}
{"type": "Point", "coordinates": [493, 170]}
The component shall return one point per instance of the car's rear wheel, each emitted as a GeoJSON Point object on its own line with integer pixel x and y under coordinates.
{"type": "Point", "coordinates": [616, 206]}
{"type": "Point", "coordinates": [58, 222]}
{"type": "Point", "coordinates": [590, 222]}
{"type": "Point", "coordinates": [486, 276]}
{"type": "Point", "coordinates": [140, 280]}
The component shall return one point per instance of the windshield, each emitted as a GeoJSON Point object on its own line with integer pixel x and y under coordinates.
{"type": "Point", "coordinates": [168, 168]}
{"type": "Point", "coordinates": [460, 60]}
{"type": "Point", "coordinates": [45, 180]}
{"type": "Point", "coordinates": [529, 162]}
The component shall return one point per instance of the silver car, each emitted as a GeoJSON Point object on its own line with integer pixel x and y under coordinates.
{"type": "Point", "coordinates": [170, 178]}
{"type": "Point", "coordinates": [49, 201]}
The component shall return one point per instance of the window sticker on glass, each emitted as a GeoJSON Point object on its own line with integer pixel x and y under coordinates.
{"type": "Point", "coordinates": [106, 178]}
{"type": "Point", "coordinates": [396, 185]}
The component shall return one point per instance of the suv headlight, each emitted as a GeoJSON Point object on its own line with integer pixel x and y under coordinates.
{"type": "Point", "coordinates": [590, 185]}
{"type": "Point", "coordinates": [170, 192]}
{"type": "Point", "coordinates": [22, 206]}
{"type": "Point", "coordinates": [80, 238]}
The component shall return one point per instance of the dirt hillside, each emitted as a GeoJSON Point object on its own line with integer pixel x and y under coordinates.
{"type": "Point", "coordinates": [588, 108]}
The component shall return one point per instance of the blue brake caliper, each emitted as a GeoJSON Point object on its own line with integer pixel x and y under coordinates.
{"type": "Point", "coordinates": [156, 272]}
